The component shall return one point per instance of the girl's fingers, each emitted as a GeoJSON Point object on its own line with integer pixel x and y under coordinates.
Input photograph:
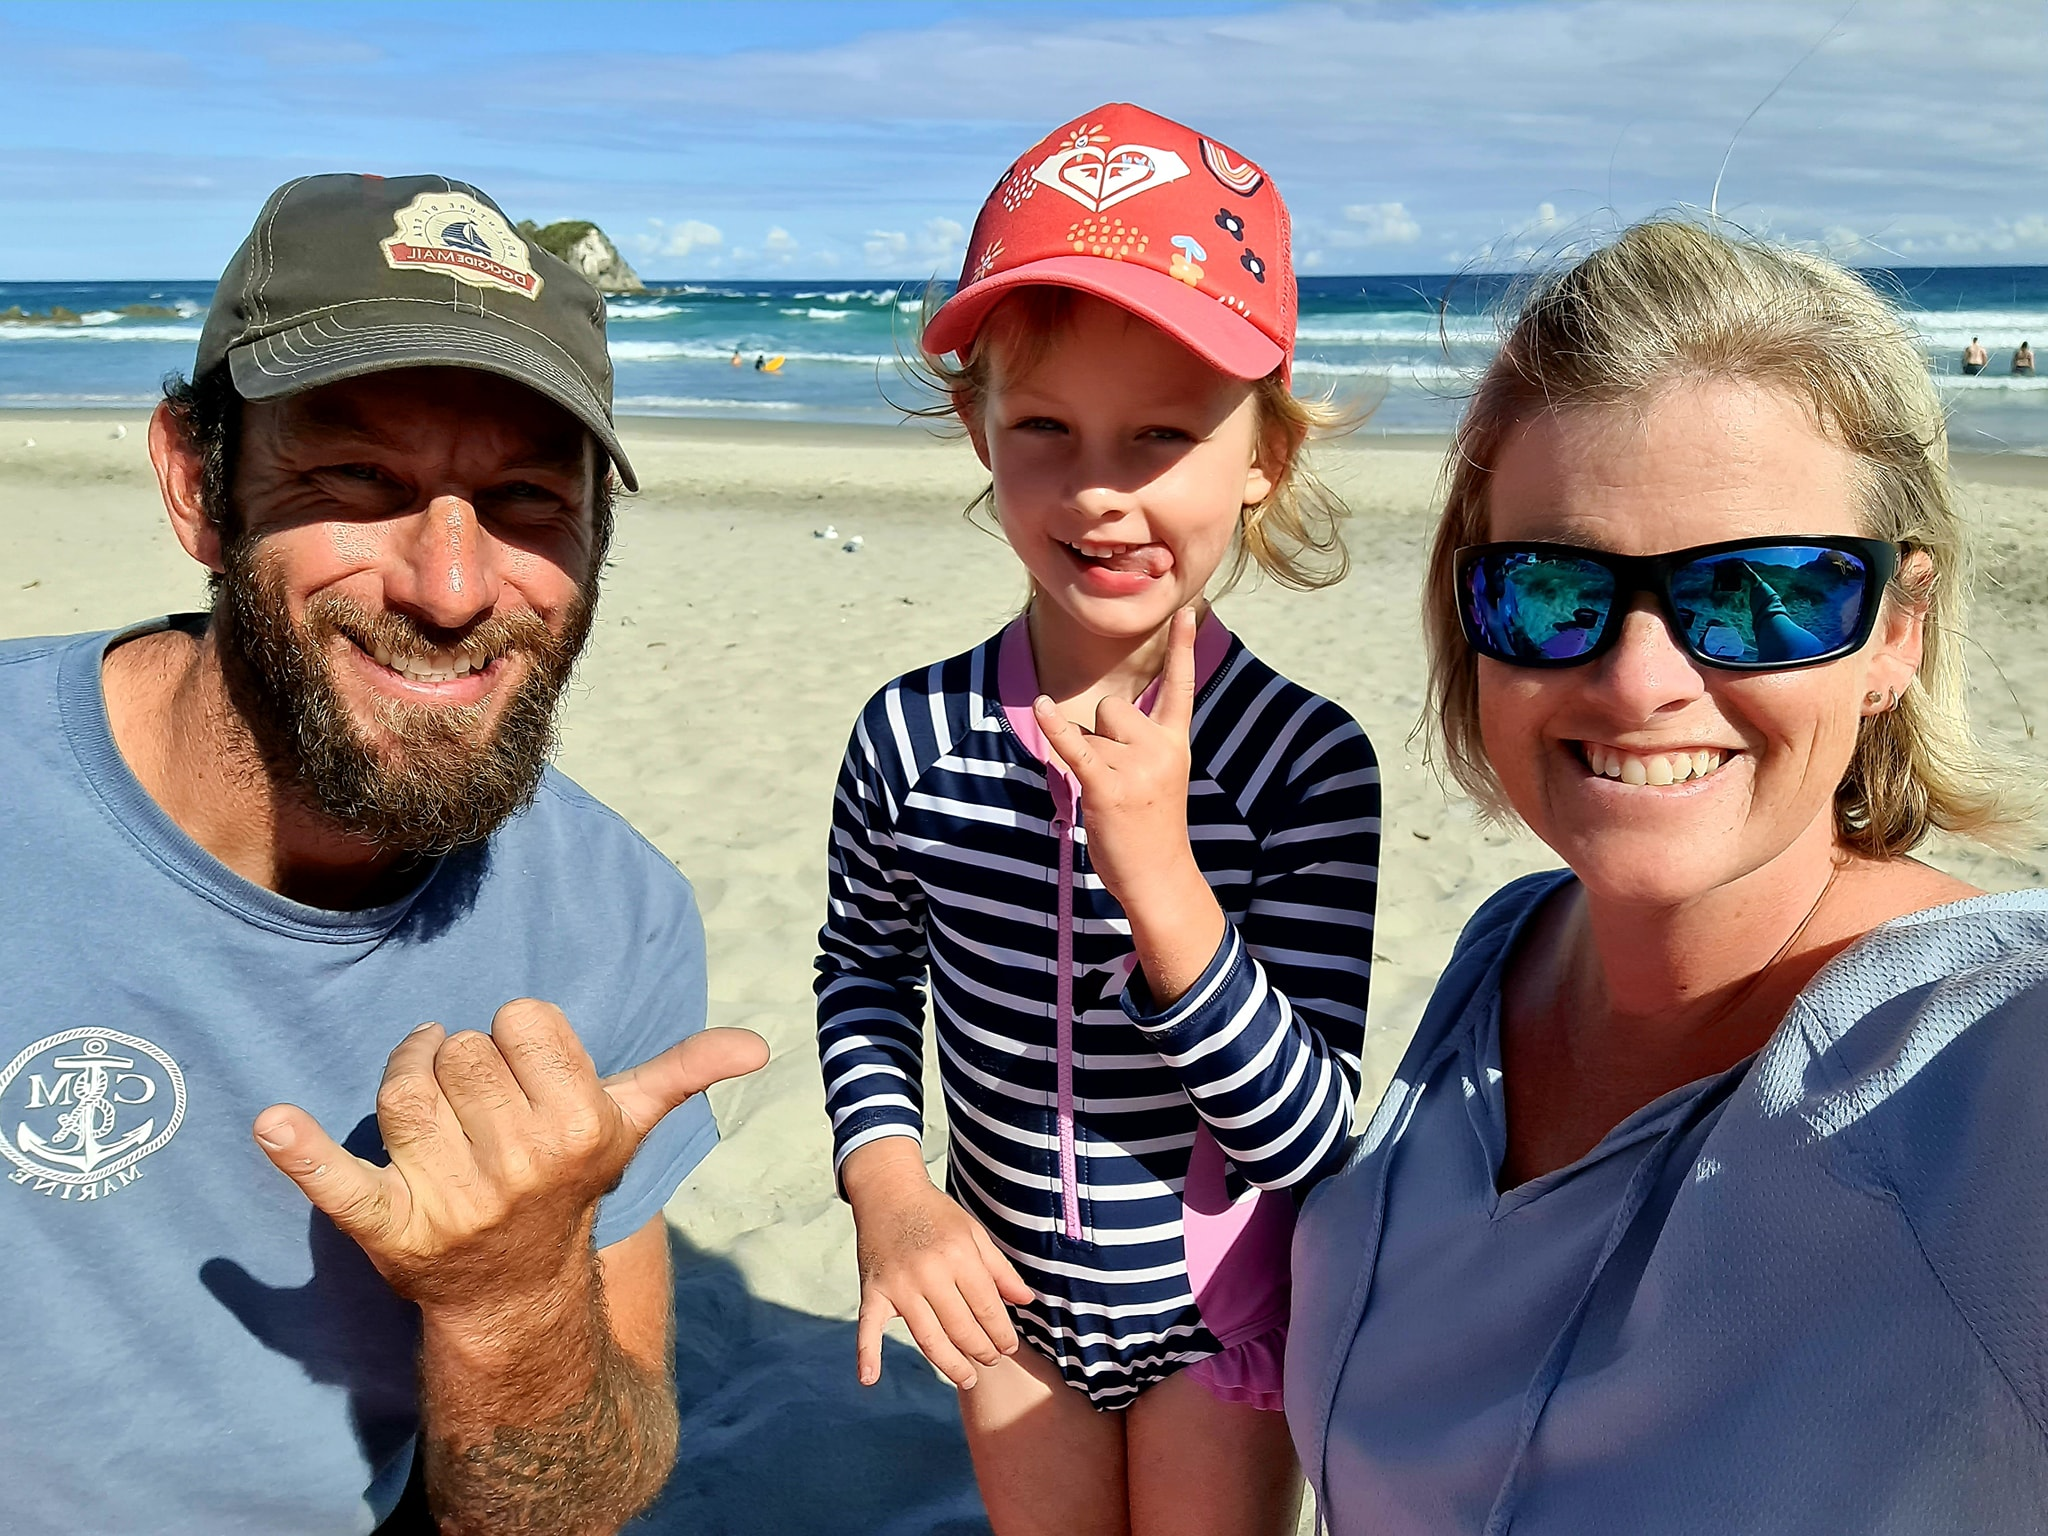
{"type": "Point", "coordinates": [1066, 739]}
{"type": "Point", "coordinates": [1174, 707]}
{"type": "Point", "coordinates": [980, 1294]}
{"type": "Point", "coordinates": [957, 1316]}
{"type": "Point", "coordinates": [875, 1312]}
{"type": "Point", "coordinates": [1009, 1284]}
{"type": "Point", "coordinates": [932, 1339]}
{"type": "Point", "coordinates": [1119, 721]}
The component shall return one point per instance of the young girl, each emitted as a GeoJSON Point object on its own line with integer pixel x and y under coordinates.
{"type": "Point", "coordinates": [1135, 863]}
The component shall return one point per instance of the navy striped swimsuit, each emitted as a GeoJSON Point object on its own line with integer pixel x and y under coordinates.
{"type": "Point", "coordinates": [959, 862]}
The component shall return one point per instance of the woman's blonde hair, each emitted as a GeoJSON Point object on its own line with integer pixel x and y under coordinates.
{"type": "Point", "coordinates": [1671, 302]}
{"type": "Point", "coordinates": [1293, 534]}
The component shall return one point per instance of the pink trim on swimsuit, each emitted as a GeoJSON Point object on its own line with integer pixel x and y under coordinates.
{"type": "Point", "coordinates": [1237, 1254]}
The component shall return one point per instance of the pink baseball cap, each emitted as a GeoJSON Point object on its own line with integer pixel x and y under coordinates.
{"type": "Point", "coordinates": [1135, 208]}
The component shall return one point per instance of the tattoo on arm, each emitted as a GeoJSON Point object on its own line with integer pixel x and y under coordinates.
{"type": "Point", "coordinates": [580, 1469]}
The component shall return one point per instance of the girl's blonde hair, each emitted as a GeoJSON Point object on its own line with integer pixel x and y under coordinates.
{"type": "Point", "coordinates": [1294, 534]}
{"type": "Point", "coordinates": [1671, 302]}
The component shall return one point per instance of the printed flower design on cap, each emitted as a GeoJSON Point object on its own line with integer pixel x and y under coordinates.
{"type": "Point", "coordinates": [1251, 263]}
{"type": "Point", "coordinates": [1083, 135]}
{"type": "Point", "coordinates": [986, 262]}
{"type": "Point", "coordinates": [1233, 302]}
{"type": "Point", "coordinates": [1230, 224]}
{"type": "Point", "coordinates": [1104, 236]}
{"type": "Point", "coordinates": [1187, 258]}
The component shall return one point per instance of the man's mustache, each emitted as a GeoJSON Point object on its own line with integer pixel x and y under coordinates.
{"type": "Point", "coordinates": [386, 633]}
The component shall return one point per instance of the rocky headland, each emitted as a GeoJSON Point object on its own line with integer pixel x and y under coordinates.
{"type": "Point", "coordinates": [57, 314]}
{"type": "Point", "coordinates": [589, 250]}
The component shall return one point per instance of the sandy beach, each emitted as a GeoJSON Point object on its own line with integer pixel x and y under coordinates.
{"type": "Point", "coordinates": [733, 649]}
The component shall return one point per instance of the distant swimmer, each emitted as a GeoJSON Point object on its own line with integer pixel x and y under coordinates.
{"type": "Point", "coordinates": [1975, 357]}
{"type": "Point", "coordinates": [736, 358]}
{"type": "Point", "coordinates": [2023, 360]}
{"type": "Point", "coordinates": [760, 362]}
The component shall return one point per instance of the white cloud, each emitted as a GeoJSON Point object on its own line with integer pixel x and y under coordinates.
{"type": "Point", "coordinates": [1916, 127]}
{"type": "Point", "coordinates": [935, 246]}
{"type": "Point", "coordinates": [779, 241]}
{"type": "Point", "coordinates": [942, 239]}
{"type": "Point", "coordinates": [1383, 223]}
{"type": "Point", "coordinates": [885, 247]}
{"type": "Point", "coordinates": [1613, 105]}
{"type": "Point", "coordinates": [683, 239]}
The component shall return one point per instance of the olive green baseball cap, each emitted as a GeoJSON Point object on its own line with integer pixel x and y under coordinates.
{"type": "Point", "coordinates": [349, 275]}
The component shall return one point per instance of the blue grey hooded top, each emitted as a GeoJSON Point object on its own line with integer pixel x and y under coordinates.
{"type": "Point", "coordinates": [1807, 1295]}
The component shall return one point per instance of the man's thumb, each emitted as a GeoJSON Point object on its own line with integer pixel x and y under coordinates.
{"type": "Point", "coordinates": [647, 1092]}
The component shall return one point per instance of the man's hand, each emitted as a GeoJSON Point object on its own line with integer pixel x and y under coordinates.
{"type": "Point", "coordinates": [1133, 771]}
{"type": "Point", "coordinates": [501, 1146]}
{"type": "Point", "coordinates": [927, 1261]}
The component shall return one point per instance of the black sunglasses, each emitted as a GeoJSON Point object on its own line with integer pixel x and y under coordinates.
{"type": "Point", "coordinates": [1746, 605]}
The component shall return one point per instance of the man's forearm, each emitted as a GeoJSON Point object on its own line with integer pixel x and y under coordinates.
{"type": "Point", "coordinates": [536, 1420]}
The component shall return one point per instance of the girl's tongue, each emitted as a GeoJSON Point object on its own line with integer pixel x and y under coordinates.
{"type": "Point", "coordinates": [1134, 560]}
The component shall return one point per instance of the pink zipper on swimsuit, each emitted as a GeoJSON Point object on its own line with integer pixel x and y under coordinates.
{"type": "Point", "coordinates": [1064, 798]}
{"type": "Point", "coordinates": [1016, 687]}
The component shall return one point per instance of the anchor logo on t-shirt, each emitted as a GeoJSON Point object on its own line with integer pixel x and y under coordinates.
{"type": "Point", "coordinates": [86, 1106]}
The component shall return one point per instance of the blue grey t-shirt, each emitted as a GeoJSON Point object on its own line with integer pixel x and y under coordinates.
{"type": "Point", "coordinates": [189, 1346]}
{"type": "Point", "coordinates": [1809, 1294]}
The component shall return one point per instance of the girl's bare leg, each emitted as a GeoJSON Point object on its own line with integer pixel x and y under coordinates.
{"type": "Point", "coordinates": [1049, 1463]}
{"type": "Point", "coordinates": [1199, 1466]}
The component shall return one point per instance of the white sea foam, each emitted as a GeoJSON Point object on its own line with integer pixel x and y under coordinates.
{"type": "Point", "coordinates": [2036, 385]}
{"type": "Point", "coordinates": [849, 295]}
{"type": "Point", "coordinates": [1404, 330]}
{"type": "Point", "coordinates": [18, 332]}
{"type": "Point", "coordinates": [819, 314]}
{"type": "Point", "coordinates": [1457, 379]}
{"type": "Point", "coordinates": [645, 309]}
{"type": "Point", "coordinates": [698, 403]}
{"type": "Point", "coordinates": [34, 399]}
{"type": "Point", "coordinates": [657, 351]}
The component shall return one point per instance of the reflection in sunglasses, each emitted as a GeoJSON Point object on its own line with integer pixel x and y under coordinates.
{"type": "Point", "coordinates": [1741, 605]}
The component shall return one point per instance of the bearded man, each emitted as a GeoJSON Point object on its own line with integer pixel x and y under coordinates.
{"type": "Point", "coordinates": [305, 847]}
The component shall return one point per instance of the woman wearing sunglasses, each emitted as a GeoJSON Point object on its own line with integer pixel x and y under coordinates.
{"type": "Point", "coordinates": [1712, 1195]}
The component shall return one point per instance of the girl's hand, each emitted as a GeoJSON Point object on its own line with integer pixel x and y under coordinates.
{"type": "Point", "coordinates": [1133, 771]}
{"type": "Point", "coordinates": [925, 1260]}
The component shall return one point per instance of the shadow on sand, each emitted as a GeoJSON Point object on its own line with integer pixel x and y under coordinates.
{"type": "Point", "coordinates": [779, 1438]}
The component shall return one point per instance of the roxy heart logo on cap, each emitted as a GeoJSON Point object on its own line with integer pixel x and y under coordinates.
{"type": "Point", "coordinates": [465, 238]}
{"type": "Point", "coordinates": [1179, 229]}
{"type": "Point", "coordinates": [1098, 175]}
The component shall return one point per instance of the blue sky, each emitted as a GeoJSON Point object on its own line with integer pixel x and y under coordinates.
{"type": "Point", "coordinates": [857, 139]}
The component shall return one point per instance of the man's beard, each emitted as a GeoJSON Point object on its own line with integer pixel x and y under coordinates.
{"type": "Point", "coordinates": [441, 778]}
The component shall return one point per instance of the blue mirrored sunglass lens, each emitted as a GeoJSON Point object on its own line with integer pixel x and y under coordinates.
{"type": "Point", "coordinates": [1786, 603]}
{"type": "Point", "coordinates": [1533, 607]}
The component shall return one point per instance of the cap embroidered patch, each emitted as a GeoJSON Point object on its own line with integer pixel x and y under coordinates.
{"type": "Point", "coordinates": [468, 240]}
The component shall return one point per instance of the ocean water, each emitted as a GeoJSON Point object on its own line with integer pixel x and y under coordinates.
{"type": "Point", "coordinates": [1413, 344]}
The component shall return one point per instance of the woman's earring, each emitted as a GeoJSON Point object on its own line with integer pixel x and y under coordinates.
{"type": "Point", "coordinates": [1889, 699]}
